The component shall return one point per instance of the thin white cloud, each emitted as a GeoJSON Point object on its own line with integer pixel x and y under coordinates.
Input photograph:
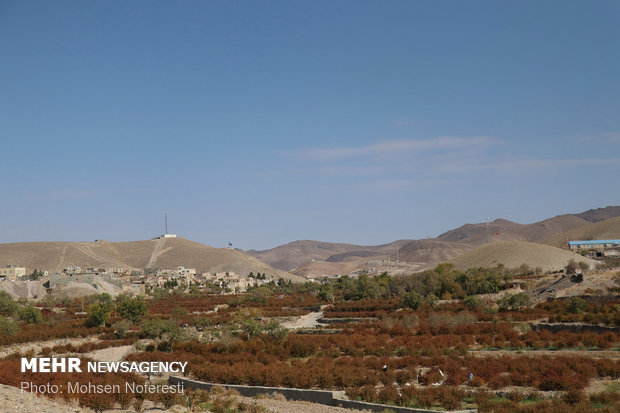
{"type": "Point", "coordinates": [609, 137]}
{"type": "Point", "coordinates": [520, 165]}
{"type": "Point", "coordinates": [393, 148]}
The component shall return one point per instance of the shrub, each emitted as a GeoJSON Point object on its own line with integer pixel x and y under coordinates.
{"type": "Point", "coordinates": [97, 314]}
{"type": "Point", "coordinates": [29, 314]}
{"type": "Point", "coordinates": [7, 305]}
{"type": "Point", "coordinates": [7, 326]}
{"type": "Point", "coordinates": [133, 309]}
{"type": "Point", "coordinates": [413, 300]}
{"type": "Point", "coordinates": [472, 302]}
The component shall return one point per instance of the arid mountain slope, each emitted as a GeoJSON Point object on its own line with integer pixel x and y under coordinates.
{"type": "Point", "coordinates": [294, 254]}
{"type": "Point", "coordinates": [476, 234]}
{"type": "Point", "coordinates": [600, 214]}
{"type": "Point", "coordinates": [607, 229]}
{"type": "Point", "coordinates": [312, 257]}
{"type": "Point", "coordinates": [165, 253]}
{"type": "Point", "coordinates": [430, 251]}
{"type": "Point", "coordinates": [514, 253]}
{"type": "Point", "coordinates": [503, 230]}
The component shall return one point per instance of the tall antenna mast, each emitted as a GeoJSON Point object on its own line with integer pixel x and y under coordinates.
{"type": "Point", "coordinates": [487, 225]}
{"type": "Point", "coordinates": [166, 223]}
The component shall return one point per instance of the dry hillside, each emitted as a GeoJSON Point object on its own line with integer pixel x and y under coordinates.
{"type": "Point", "coordinates": [514, 253]}
{"type": "Point", "coordinates": [503, 230]}
{"type": "Point", "coordinates": [165, 253]}
{"type": "Point", "coordinates": [476, 234]}
{"type": "Point", "coordinates": [294, 254]}
{"type": "Point", "coordinates": [607, 229]}
{"type": "Point", "coordinates": [430, 251]}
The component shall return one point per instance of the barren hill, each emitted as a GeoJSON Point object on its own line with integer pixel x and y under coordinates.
{"type": "Point", "coordinates": [312, 257]}
{"type": "Point", "coordinates": [165, 253]}
{"type": "Point", "coordinates": [294, 254]}
{"type": "Point", "coordinates": [430, 251]}
{"type": "Point", "coordinates": [514, 253]}
{"type": "Point", "coordinates": [600, 214]}
{"type": "Point", "coordinates": [607, 229]}
{"type": "Point", "coordinates": [476, 234]}
{"type": "Point", "coordinates": [504, 230]}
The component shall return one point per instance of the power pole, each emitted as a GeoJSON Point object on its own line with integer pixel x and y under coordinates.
{"type": "Point", "coordinates": [487, 225]}
{"type": "Point", "coordinates": [166, 222]}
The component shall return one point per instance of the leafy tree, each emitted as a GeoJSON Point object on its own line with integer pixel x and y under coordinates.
{"type": "Point", "coordinates": [248, 321]}
{"type": "Point", "coordinates": [97, 314]}
{"type": "Point", "coordinates": [7, 305]}
{"type": "Point", "coordinates": [276, 331]}
{"type": "Point", "coordinates": [121, 328]}
{"type": "Point", "coordinates": [171, 284]}
{"type": "Point", "coordinates": [514, 301]}
{"type": "Point", "coordinates": [326, 293]}
{"type": "Point", "coordinates": [29, 314]}
{"type": "Point", "coordinates": [576, 305]}
{"type": "Point", "coordinates": [167, 330]}
{"type": "Point", "coordinates": [104, 298]}
{"type": "Point", "coordinates": [132, 309]}
{"type": "Point", "coordinates": [7, 326]}
{"type": "Point", "coordinates": [471, 302]}
{"type": "Point", "coordinates": [35, 275]}
{"type": "Point", "coordinates": [413, 300]}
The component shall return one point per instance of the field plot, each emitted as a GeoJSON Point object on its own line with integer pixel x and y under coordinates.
{"type": "Point", "coordinates": [443, 339]}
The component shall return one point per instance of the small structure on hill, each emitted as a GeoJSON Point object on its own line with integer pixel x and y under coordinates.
{"type": "Point", "coordinates": [594, 244]}
{"type": "Point", "coordinates": [12, 272]}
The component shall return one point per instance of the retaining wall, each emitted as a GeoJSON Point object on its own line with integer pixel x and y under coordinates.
{"type": "Point", "coordinates": [313, 396]}
{"type": "Point", "coordinates": [575, 328]}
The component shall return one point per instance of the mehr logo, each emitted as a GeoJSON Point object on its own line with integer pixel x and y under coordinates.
{"type": "Point", "coordinates": [72, 364]}
{"type": "Point", "coordinates": [51, 365]}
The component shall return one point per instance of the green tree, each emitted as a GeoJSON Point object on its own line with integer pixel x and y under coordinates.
{"type": "Point", "coordinates": [132, 309]}
{"type": "Point", "coordinates": [7, 305]}
{"type": "Point", "coordinates": [514, 301]}
{"type": "Point", "coordinates": [35, 275]}
{"type": "Point", "coordinates": [7, 326]}
{"type": "Point", "coordinates": [121, 328]}
{"type": "Point", "coordinates": [29, 314]}
{"type": "Point", "coordinates": [576, 305]}
{"type": "Point", "coordinates": [104, 298]}
{"type": "Point", "coordinates": [167, 330]}
{"type": "Point", "coordinates": [413, 300]}
{"type": "Point", "coordinates": [471, 302]}
{"type": "Point", "coordinates": [248, 321]}
{"type": "Point", "coordinates": [171, 284]}
{"type": "Point", "coordinates": [97, 314]}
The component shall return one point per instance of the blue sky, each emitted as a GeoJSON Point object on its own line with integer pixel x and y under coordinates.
{"type": "Point", "coordinates": [265, 122]}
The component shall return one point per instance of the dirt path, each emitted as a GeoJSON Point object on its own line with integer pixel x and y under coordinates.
{"type": "Point", "coordinates": [597, 354]}
{"type": "Point", "coordinates": [280, 405]}
{"type": "Point", "coordinates": [36, 347]}
{"type": "Point", "coordinates": [156, 252]}
{"type": "Point", "coordinates": [309, 320]}
{"type": "Point", "coordinates": [111, 354]}
{"type": "Point", "coordinates": [61, 259]}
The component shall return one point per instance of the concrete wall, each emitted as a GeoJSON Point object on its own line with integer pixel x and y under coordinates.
{"type": "Point", "coordinates": [575, 328]}
{"type": "Point", "coordinates": [345, 320]}
{"type": "Point", "coordinates": [312, 396]}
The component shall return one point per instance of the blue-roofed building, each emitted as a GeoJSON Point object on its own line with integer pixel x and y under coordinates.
{"type": "Point", "coordinates": [594, 244]}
